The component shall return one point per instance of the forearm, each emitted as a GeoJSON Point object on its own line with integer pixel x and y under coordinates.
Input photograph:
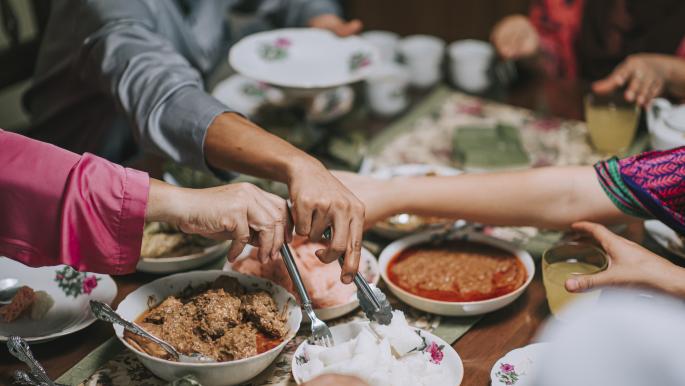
{"type": "Point", "coordinates": [545, 197]}
{"type": "Point", "coordinates": [235, 143]}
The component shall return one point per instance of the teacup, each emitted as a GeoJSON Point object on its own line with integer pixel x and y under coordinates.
{"type": "Point", "coordinates": [386, 89]}
{"type": "Point", "coordinates": [423, 55]}
{"type": "Point", "coordinates": [385, 41]}
{"type": "Point", "coordinates": [470, 61]}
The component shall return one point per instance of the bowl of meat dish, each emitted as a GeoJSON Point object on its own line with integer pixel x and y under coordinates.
{"type": "Point", "coordinates": [330, 297]}
{"type": "Point", "coordinates": [404, 224]}
{"type": "Point", "coordinates": [165, 249]}
{"type": "Point", "coordinates": [242, 322]}
{"type": "Point", "coordinates": [467, 274]}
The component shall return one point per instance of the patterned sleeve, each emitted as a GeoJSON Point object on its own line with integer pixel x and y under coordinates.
{"type": "Point", "coordinates": [648, 185]}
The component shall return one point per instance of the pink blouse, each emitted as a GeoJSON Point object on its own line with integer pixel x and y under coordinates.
{"type": "Point", "coordinates": [57, 207]}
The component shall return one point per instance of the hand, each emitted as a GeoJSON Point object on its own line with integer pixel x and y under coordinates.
{"type": "Point", "coordinates": [335, 380]}
{"type": "Point", "coordinates": [239, 212]}
{"type": "Point", "coordinates": [376, 194]}
{"type": "Point", "coordinates": [514, 37]}
{"type": "Point", "coordinates": [644, 74]}
{"type": "Point", "coordinates": [336, 25]}
{"type": "Point", "coordinates": [319, 201]}
{"type": "Point", "coordinates": [629, 265]}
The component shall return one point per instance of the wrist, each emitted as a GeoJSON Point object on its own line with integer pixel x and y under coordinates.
{"type": "Point", "coordinates": [301, 165]}
{"type": "Point", "coordinates": [164, 202]}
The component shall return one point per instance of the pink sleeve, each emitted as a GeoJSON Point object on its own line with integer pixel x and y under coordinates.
{"type": "Point", "coordinates": [61, 208]}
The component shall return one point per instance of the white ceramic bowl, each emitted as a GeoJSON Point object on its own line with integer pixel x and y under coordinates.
{"type": "Point", "coordinates": [303, 58]}
{"type": "Point", "coordinates": [455, 308]}
{"type": "Point", "coordinates": [208, 374]}
{"type": "Point", "coordinates": [385, 41]}
{"type": "Point", "coordinates": [347, 331]}
{"type": "Point", "coordinates": [183, 263]}
{"type": "Point", "coordinates": [368, 266]}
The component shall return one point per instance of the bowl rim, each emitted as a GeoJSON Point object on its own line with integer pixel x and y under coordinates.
{"type": "Point", "coordinates": [366, 322]}
{"type": "Point", "coordinates": [400, 245]}
{"type": "Point", "coordinates": [291, 334]}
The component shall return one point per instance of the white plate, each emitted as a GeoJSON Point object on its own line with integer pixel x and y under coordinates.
{"type": "Point", "coordinates": [369, 268]}
{"type": "Point", "coordinates": [303, 58]}
{"type": "Point", "coordinates": [68, 315]}
{"type": "Point", "coordinates": [665, 236]}
{"type": "Point", "coordinates": [517, 367]}
{"type": "Point", "coordinates": [455, 308]}
{"type": "Point", "coordinates": [183, 263]}
{"type": "Point", "coordinates": [208, 374]}
{"type": "Point", "coordinates": [245, 95]}
{"type": "Point", "coordinates": [384, 228]}
{"type": "Point", "coordinates": [347, 331]}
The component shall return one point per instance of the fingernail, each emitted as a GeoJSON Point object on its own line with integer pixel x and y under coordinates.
{"type": "Point", "coordinates": [347, 278]}
{"type": "Point", "coordinates": [572, 284]}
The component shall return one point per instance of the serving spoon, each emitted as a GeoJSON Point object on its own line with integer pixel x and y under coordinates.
{"type": "Point", "coordinates": [105, 313]}
{"type": "Point", "coordinates": [37, 375]}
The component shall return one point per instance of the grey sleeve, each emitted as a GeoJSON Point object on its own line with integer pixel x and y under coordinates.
{"type": "Point", "coordinates": [157, 89]}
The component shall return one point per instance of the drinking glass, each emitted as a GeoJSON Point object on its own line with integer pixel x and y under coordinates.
{"type": "Point", "coordinates": [611, 122]}
{"type": "Point", "coordinates": [564, 261]}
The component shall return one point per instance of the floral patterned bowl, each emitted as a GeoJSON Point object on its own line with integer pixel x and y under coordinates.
{"type": "Point", "coordinates": [71, 292]}
{"type": "Point", "coordinates": [441, 352]}
{"type": "Point", "coordinates": [303, 58]}
{"type": "Point", "coordinates": [517, 368]}
{"type": "Point", "coordinates": [215, 373]}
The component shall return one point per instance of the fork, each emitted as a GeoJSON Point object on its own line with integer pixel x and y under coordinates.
{"type": "Point", "coordinates": [321, 334]}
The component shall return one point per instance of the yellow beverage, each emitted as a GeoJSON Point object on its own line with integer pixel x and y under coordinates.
{"type": "Point", "coordinates": [554, 276]}
{"type": "Point", "coordinates": [611, 123]}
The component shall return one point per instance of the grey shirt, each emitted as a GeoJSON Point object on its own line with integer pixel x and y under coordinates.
{"type": "Point", "coordinates": [111, 70]}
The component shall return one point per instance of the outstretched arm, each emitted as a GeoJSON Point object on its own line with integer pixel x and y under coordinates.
{"type": "Point", "coordinates": [553, 197]}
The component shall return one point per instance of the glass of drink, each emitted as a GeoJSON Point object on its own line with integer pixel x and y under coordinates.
{"type": "Point", "coordinates": [611, 122]}
{"type": "Point", "coordinates": [564, 261]}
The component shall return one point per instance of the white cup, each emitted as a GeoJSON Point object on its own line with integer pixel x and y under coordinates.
{"type": "Point", "coordinates": [385, 41]}
{"type": "Point", "coordinates": [386, 89]}
{"type": "Point", "coordinates": [469, 64]}
{"type": "Point", "coordinates": [423, 56]}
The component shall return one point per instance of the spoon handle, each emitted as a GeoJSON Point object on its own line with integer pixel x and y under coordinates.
{"type": "Point", "coordinates": [20, 350]}
{"type": "Point", "coordinates": [105, 313]}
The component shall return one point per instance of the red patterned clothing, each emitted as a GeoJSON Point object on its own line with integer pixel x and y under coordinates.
{"type": "Point", "coordinates": [650, 184]}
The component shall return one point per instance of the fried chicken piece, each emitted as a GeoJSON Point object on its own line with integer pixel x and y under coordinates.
{"type": "Point", "coordinates": [164, 309]}
{"type": "Point", "coordinates": [237, 343]}
{"type": "Point", "coordinates": [21, 302]}
{"type": "Point", "coordinates": [146, 345]}
{"type": "Point", "coordinates": [217, 311]}
{"type": "Point", "coordinates": [260, 308]}
{"type": "Point", "coordinates": [229, 284]}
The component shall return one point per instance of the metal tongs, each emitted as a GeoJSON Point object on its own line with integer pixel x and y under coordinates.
{"type": "Point", "coordinates": [372, 300]}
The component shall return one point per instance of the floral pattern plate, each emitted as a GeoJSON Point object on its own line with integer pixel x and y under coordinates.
{"type": "Point", "coordinates": [71, 292]}
{"type": "Point", "coordinates": [303, 58]}
{"type": "Point", "coordinates": [441, 352]}
{"type": "Point", "coordinates": [518, 366]}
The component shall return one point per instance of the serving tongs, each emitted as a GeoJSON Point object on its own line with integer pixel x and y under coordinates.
{"type": "Point", "coordinates": [372, 300]}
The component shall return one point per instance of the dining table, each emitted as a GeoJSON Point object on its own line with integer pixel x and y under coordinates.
{"type": "Point", "coordinates": [492, 337]}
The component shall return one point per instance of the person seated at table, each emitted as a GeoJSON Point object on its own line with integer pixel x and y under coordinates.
{"type": "Point", "coordinates": [635, 44]}
{"type": "Point", "coordinates": [649, 185]}
{"type": "Point", "coordinates": [112, 70]}
{"type": "Point", "coordinates": [84, 211]}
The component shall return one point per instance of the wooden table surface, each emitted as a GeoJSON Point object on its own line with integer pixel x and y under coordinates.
{"type": "Point", "coordinates": [495, 335]}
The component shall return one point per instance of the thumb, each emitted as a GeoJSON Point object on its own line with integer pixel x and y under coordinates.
{"type": "Point", "coordinates": [583, 283]}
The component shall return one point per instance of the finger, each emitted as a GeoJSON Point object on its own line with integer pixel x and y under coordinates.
{"type": "Point", "coordinates": [637, 83]}
{"type": "Point", "coordinates": [598, 232]}
{"type": "Point", "coordinates": [643, 95]}
{"type": "Point", "coordinates": [353, 251]}
{"type": "Point", "coordinates": [583, 283]}
{"type": "Point", "coordinates": [341, 231]}
{"type": "Point", "coordinates": [283, 225]}
{"type": "Point", "coordinates": [320, 222]}
{"type": "Point", "coordinates": [264, 222]}
{"type": "Point", "coordinates": [241, 237]}
{"type": "Point", "coordinates": [303, 211]}
{"type": "Point", "coordinates": [350, 28]}
{"type": "Point", "coordinates": [615, 80]}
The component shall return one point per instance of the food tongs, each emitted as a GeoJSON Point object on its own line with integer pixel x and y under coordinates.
{"type": "Point", "coordinates": [372, 300]}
